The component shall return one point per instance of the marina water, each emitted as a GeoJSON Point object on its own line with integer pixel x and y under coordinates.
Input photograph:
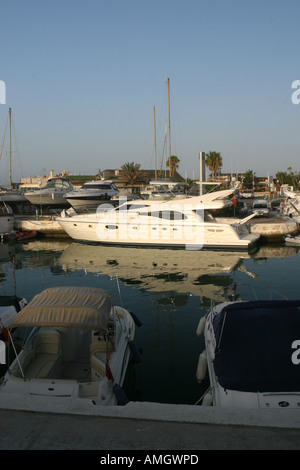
{"type": "Point", "coordinates": [169, 291]}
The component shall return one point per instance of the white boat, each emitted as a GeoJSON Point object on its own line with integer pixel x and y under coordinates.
{"type": "Point", "coordinates": [159, 190]}
{"type": "Point", "coordinates": [292, 240]}
{"type": "Point", "coordinates": [10, 305]}
{"type": "Point", "coordinates": [45, 226]}
{"type": "Point", "coordinates": [290, 207]}
{"type": "Point", "coordinates": [77, 354]}
{"type": "Point", "coordinates": [252, 354]}
{"type": "Point", "coordinates": [183, 223]}
{"type": "Point", "coordinates": [12, 196]}
{"type": "Point", "coordinates": [91, 194]}
{"type": "Point", "coordinates": [52, 194]}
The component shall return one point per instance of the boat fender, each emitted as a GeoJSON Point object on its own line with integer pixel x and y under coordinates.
{"type": "Point", "coordinates": [207, 399]}
{"type": "Point", "coordinates": [202, 366]}
{"type": "Point", "coordinates": [136, 320]}
{"type": "Point", "coordinates": [120, 395]}
{"type": "Point", "coordinates": [200, 327]}
{"type": "Point", "coordinates": [134, 351]}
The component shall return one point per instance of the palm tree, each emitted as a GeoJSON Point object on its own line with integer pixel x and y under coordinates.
{"type": "Point", "coordinates": [131, 172]}
{"type": "Point", "coordinates": [172, 163]}
{"type": "Point", "coordinates": [249, 179]}
{"type": "Point", "coordinates": [214, 162]}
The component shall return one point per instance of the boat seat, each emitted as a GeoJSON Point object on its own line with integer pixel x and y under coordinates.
{"type": "Point", "coordinates": [100, 346]}
{"type": "Point", "coordinates": [44, 358]}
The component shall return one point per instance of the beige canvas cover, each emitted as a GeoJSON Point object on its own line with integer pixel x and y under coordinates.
{"type": "Point", "coordinates": [74, 307]}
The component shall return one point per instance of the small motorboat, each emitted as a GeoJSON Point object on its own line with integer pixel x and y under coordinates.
{"type": "Point", "coordinates": [25, 235]}
{"type": "Point", "coordinates": [78, 351]}
{"type": "Point", "coordinates": [292, 240]}
{"type": "Point", "coordinates": [252, 353]}
{"type": "Point", "coordinates": [91, 194]}
{"type": "Point", "coordinates": [52, 194]}
{"type": "Point", "coordinates": [20, 236]}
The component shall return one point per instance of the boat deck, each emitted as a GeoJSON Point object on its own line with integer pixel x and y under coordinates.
{"type": "Point", "coordinates": [79, 369]}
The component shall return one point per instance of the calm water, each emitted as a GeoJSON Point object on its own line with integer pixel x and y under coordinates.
{"type": "Point", "coordinates": [169, 290]}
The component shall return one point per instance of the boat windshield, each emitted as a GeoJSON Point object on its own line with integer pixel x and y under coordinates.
{"type": "Point", "coordinates": [260, 206]}
{"type": "Point", "coordinates": [101, 186]}
{"type": "Point", "coordinates": [57, 183]}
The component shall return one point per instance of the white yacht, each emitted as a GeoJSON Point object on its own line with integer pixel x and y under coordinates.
{"type": "Point", "coordinates": [292, 240]}
{"type": "Point", "coordinates": [181, 223]}
{"type": "Point", "coordinates": [52, 194]}
{"type": "Point", "coordinates": [252, 354]}
{"type": "Point", "coordinates": [290, 207]}
{"type": "Point", "coordinates": [76, 355]}
{"type": "Point", "coordinates": [91, 194]}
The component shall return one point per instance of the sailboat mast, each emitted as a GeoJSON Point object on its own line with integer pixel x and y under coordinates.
{"type": "Point", "coordinates": [169, 126]}
{"type": "Point", "coordinates": [155, 143]}
{"type": "Point", "coordinates": [10, 180]}
{"type": "Point", "coordinates": [166, 149]}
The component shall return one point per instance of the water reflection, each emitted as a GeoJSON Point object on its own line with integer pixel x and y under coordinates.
{"type": "Point", "coordinates": [180, 273]}
{"type": "Point", "coordinates": [169, 290]}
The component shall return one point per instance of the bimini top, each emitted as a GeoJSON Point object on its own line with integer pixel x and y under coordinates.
{"type": "Point", "coordinates": [254, 351]}
{"type": "Point", "coordinates": [73, 307]}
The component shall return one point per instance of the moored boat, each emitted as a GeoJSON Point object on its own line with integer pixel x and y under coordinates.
{"type": "Point", "coordinates": [77, 354]}
{"type": "Point", "coordinates": [19, 236]}
{"type": "Point", "coordinates": [292, 240]}
{"type": "Point", "coordinates": [183, 223]}
{"type": "Point", "coordinates": [10, 305]}
{"type": "Point", "coordinates": [52, 194]}
{"type": "Point", "coordinates": [252, 354]}
{"type": "Point", "coordinates": [91, 194]}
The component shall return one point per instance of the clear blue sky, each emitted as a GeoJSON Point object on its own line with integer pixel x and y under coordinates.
{"type": "Point", "coordinates": [82, 78]}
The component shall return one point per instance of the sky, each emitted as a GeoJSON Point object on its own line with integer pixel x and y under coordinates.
{"type": "Point", "coordinates": [83, 77]}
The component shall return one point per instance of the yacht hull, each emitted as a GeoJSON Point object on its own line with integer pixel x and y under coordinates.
{"type": "Point", "coordinates": [209, 235]}
{"type": "Point", "coordinates": [53, 199]}
{"type": "Point", "coordinates": [92, 194]}
{"type": "Point", "coordinates": [89, 202]}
